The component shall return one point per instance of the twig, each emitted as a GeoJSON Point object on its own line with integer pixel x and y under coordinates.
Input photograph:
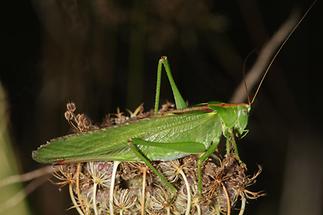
{"type": "Point", "coordinates": [264, 58]}
{"type": "Point", "coordinates": [19, 196]}
{"type": "Point", "coordinates": [27, 176]}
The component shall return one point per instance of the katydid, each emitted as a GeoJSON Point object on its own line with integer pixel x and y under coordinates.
{"type": "Point", "coordinates": [161, 137]}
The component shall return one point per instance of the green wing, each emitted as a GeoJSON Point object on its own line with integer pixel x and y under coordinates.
{"type": "Point", "coordinates": [112, 143]}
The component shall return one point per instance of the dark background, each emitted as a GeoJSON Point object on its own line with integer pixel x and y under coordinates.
{"type": "Point", "coordinates": [103, 54]}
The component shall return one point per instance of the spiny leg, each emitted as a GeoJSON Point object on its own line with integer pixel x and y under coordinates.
{"type": "Point", "coordinates": [179, 101]}
{"type": "Point", "coordinates": [231, 144]}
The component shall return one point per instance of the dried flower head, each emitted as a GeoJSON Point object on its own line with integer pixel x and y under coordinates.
{"type": "Point", "coordinates": [124, 201]}
{"type": "Point", "coordinates": [171, 169]}
{"type": "Point", "coordinates": [99, 172]}
{"type": "Point", "coordinates": [168, 106]}
{"type": "Point", "coordinates": [65, 174]}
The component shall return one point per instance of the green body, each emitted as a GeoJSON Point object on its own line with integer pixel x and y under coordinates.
{"type": "Point", "coordinates": [110, 144]}
{"type": "Point", "coordinates": [167, 136]}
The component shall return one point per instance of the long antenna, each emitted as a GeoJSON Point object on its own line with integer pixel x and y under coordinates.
{"type": "Point", "coordinates": [280, 48]}
{"type": "Point", "coordinates": [244, 66]}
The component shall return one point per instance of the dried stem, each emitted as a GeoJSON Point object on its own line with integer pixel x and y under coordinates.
{"type": "Point", "coordinates": [198, 210]}
{"type": "Point", "coordinates": [113, 178]}
{"type": "Point", "coordinates": [95, 186]}
{"type": "Point", "coordinates": [77, 183]}
{"type": "Point", "coordinates": [28, 176]}
{"type": "Point", "coordinates": [168, 210]}
{"type": "Point", "coordinates": [143, 192]}
{"type": "Point", "coordinates": [70, 189]}
{"type": "Point", "coordinates": [189, 201]}
{"type": "Point", "coordinates": [243, 205]}
{"type": "Point", "coordinates": [264, 58]}
{"type": "Point", "coordinates": [227, 198]}
{"type": "Point", "coordinates": [19, 196]}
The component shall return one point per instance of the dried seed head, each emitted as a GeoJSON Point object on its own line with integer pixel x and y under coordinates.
{"type": "Point", "coordinates": [65, 174]}
{"type": "Point", "coordinates": [168, 106]}
{"type": "Point", "coordinates": [158, 200]}
{"type": "Point", "coordinates": [187, 164]}
{"type": "Point", "coordinates": [68, 116]}
{"type": "Point", "coordinates": [125, 200]}
{"type": "Point", "coordinates": [79, 122]}
{"type": "Point", "coordinates": [107, 121]}
{"type": "Point", "coordinates": [100, 173]}
{"type": "Point", "coordinates": [120, 118]}
{"type": "Point", "coordinates": [71, 107]}
{"type": "Point", "coordinates": [69, 113]}
{"type": "Point", "coordinates": [130, 170]}
{"type": "Point", "coordinates": [180, 204]}
{"type": "Point", "coordinates": [171, 169]}
{"type": "Point", "coordinates": [83, 122]}
{"type": "Point", "coordinates": [225, 184]}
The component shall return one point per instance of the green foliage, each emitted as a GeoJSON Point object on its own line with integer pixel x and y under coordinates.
{"type": "Point", "coordinates": [11, 197]}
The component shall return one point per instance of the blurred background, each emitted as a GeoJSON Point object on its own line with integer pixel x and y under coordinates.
{"type": "Point", "coordinates": [103, 54]}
